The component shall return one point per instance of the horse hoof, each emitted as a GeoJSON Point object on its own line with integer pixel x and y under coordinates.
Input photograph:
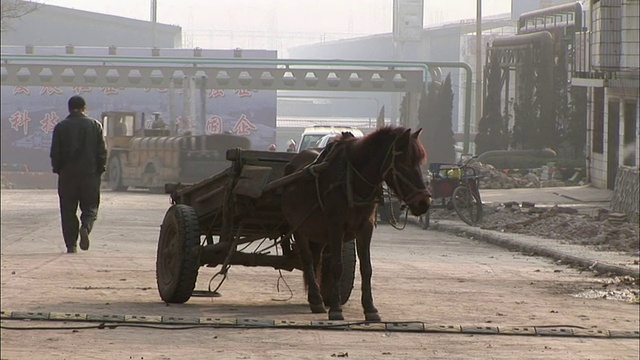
{"type": "Point", "coordinates": [372, 317]}
{"type": "Point", "coordinates": [317, 308]}
{"type": "Point", "coordinates": [335, 316]}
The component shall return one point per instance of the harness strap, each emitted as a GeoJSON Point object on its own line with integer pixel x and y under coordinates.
{"type": "Point", "coordinates": [326, 155]}
{"type": "Point", "coordinates": [375, 195]}
{"type": "Point", "coordinates": [349, 184]}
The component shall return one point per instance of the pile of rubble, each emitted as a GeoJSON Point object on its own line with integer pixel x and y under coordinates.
{"type": "Point", "coordinates": [565, 224]}
{"type": "Point", "coordinates": [5, 184]}
{"type": "Point", "coordinates": [492, 178]}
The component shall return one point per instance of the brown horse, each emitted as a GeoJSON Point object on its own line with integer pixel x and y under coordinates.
{"type": "Point", "coordinates": [338, 204]}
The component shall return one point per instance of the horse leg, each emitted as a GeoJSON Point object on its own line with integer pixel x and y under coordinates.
{"type": "Point", "coordinates": [313, 290]}
{"type": "Point", "coordinates": [335, 306]}
{"type": "Point", "coordinates": [363, 243]}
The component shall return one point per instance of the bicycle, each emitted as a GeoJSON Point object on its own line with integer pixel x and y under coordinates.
{"type": "Point", "coordinates": [457, 187]}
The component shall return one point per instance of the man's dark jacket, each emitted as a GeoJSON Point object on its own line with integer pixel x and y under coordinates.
{"type": "Point", "coordinates": [78, 145]}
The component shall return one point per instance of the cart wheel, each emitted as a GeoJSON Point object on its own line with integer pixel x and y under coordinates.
{"type": "Point", "coordinates": [114, 177]}
{"type": "Point", "coordinates": [348, 272]}
{"type": "Point", "coordinates": [467, 205]}
{"type": "Point", "coordinates": [424, 220]}
{"type": "Point", "coordinates": [178, 257]}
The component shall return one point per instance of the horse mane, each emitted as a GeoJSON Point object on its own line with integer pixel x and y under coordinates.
{"type": "Point", "coordinates": [382, 136]}
{"type": "Point", "coordinates": [345, 135]}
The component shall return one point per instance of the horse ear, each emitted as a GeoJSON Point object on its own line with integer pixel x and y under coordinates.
{"type": "Point", "coordinates": [403, 140]}
{"type": "Point", "coordinates": [416, 134]}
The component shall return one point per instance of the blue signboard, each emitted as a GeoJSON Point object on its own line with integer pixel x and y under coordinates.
{"type": "Point", "coordinates": [30, 113]}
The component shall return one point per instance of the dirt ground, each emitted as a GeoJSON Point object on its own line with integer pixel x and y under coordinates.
{"type": "Point", "coordinates": [427, 276]}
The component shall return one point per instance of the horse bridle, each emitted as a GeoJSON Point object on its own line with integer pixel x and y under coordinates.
{"type": "Point", "coordinates": [415, 194]}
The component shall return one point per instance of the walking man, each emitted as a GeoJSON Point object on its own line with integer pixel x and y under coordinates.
{"type": "Point", "coordinates": [79, 157]}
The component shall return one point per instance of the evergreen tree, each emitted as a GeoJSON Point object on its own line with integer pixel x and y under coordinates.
{"type": "Point", "coordinates": [380, 120]}
{"type": "Point", "coordinates": [562, 111]}
{"type": "Point", "coordinates": [404, 110]}
{"type": "Point", "coordinates": [426, 119]}
{"type": "Point", "coordinates": [434, 117]}
{"type": "Point", "coordinates": [445, 143]}
{"type": "Point", "coordinates": [492, 134]}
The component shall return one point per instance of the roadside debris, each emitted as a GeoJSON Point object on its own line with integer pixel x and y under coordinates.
{"type": "Point", "coordinates": [492, 178]}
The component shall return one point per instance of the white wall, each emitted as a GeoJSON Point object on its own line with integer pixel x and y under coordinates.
{"type": "Point", "coordinates": [598, 162]}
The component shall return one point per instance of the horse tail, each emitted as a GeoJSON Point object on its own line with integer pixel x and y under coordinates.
{"type": "Point", "coordinates": [318, 275]}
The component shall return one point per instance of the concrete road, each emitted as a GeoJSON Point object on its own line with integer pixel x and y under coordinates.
{"type": "Point", "coordinates": [425, 276]}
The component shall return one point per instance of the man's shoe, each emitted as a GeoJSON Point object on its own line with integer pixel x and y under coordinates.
{"type": "Point", "coordinates": [72, 250]}
{"type": "Point", "coordinates": [84, 238]}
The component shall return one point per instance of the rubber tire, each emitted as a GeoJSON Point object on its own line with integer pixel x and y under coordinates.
{"type": "Point", "coordinates": [469, 213]}
{"type": "Point", "coordinates": [114, 173]}
{"type": "Point", "coordinates": [348, 273]}
{"type": "Point", "coordinates": [178, 256]}
{"type": "Point", "coordinates": [425, 220]}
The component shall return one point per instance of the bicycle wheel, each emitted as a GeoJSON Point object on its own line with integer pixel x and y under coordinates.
{"type": "Point", "coordinates": [467, 205]}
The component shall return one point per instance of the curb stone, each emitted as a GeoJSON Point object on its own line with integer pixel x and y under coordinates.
{"type": "Point", "coordinates": [532, 245]}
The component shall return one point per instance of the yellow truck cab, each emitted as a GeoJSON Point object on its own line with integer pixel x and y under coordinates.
{"type": "Point", "coordinates": [149, 158]}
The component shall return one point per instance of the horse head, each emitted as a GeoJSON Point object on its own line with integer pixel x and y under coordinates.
{"type": "Point", "coordinates": [403, 174]}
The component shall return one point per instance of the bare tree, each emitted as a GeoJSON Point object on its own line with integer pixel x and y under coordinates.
{"type": "Point", "coordinates": [14, 9]}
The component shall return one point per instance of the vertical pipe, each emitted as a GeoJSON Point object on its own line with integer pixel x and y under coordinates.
{"type": "Point", "coordinates": [154, 20]}
{"type": "Point", "coordinates": [172, 107]}
{"type": "Point", "coordinates": [192, 105]}
{"type": "Point", "coordinates": [506, 100]}
{"type": "Point", "coordinates": [203, 105]}
{"type": "Point", "coordinates": [395, 113]}
{"type": "Point", "coordinates": [478, 63]}
{"type": "Point", "coordinates": [185, 104]}
{"type": "Point", "coordinates": [467, 110]}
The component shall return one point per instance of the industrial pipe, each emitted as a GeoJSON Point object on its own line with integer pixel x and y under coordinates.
{"type": "Point", "coordinates": [544, 153]}
{"type": "Point", "coordinates": [48, 59]}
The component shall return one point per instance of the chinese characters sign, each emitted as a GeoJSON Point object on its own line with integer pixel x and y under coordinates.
{"type": "Point", "coordinates": [244, 126]}
{"type": "Point", "coordinates": [49, 122]}
{"type": "Point", "coordinates": [20, 120]}
{"type": "Point", "coordinates": [213, 125]}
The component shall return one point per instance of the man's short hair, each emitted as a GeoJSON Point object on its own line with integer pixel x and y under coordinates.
{"type": "Point", "coordinates": [77, 103]}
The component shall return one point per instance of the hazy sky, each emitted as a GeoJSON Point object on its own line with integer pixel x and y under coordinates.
{"type": "Point", "coordinates": [285, 16]}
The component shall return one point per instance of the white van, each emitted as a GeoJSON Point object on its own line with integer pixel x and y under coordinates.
{"type": "Point", "coordinates": [319, 135]}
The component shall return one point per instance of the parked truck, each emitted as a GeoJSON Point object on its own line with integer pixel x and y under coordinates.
{"type": "Point", "coordinates": [149, 156]}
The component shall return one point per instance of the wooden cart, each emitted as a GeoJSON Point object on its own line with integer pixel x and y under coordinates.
{"type": "Point", "coordinates": [214, 222]}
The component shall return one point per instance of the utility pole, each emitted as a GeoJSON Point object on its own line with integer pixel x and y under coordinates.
{"type": "Point", "coordinates": [408, 23]}
{"type": "Point", "coordinates": [479, 73]}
